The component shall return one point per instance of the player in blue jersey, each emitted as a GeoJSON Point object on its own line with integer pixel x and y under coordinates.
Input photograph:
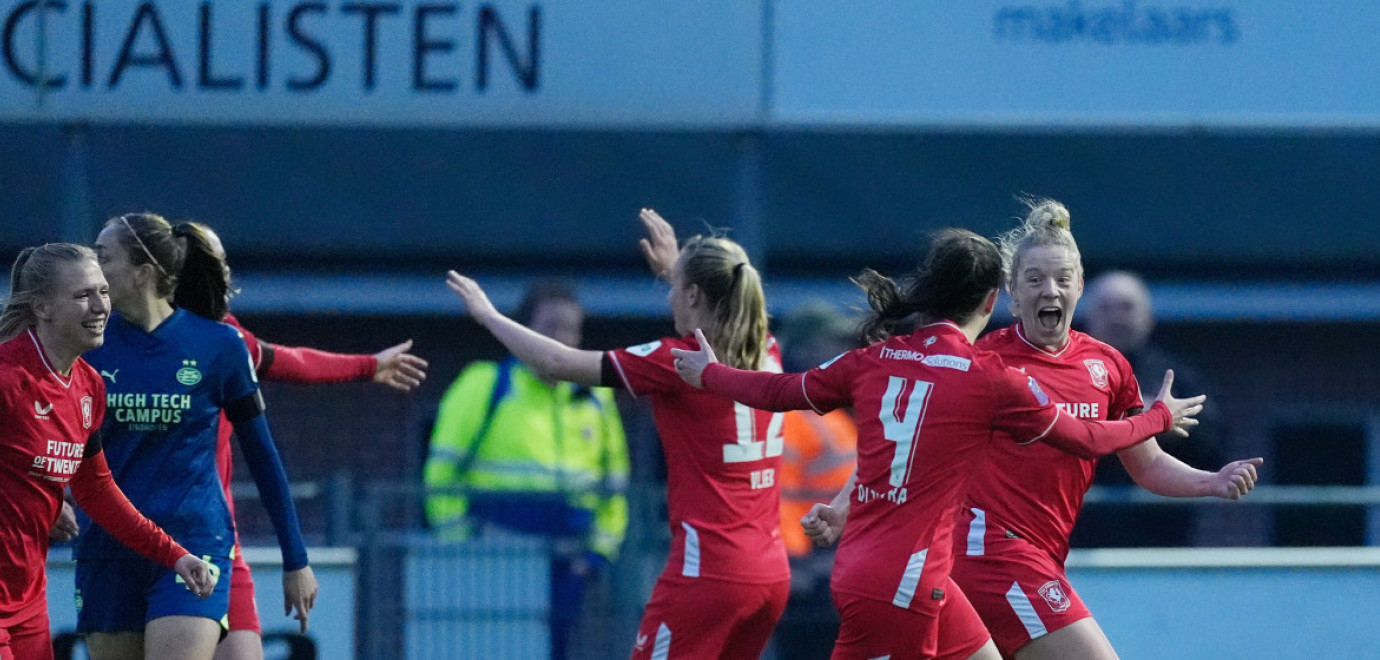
{"type": "Point", "coordinates": [169, 372]}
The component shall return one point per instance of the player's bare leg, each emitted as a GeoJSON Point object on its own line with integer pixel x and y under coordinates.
{"type": "Point", "coordinates": [987, 652]}
{"type": "Point", "coordinates": [241, 645]}
{"type": "Point", "coordinates": [189, 637]}
{"type": "Point", "coordinates": [1081, 639]}
{"type": "Point", "coordinates": [115, 646]}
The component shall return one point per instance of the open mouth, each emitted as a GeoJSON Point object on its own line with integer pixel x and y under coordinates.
{"type": "Point", "coordinates": [96, 326]}
{"type": "Point", "coordinates": [1050, 317]}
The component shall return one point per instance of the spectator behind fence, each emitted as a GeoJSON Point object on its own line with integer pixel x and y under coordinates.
{"type": "Point", "coordinates": [1120, 313]}
{"type": "Point", "coordinates": [820, 454]}
{"type": "Point", "coordinates": [538, 458]}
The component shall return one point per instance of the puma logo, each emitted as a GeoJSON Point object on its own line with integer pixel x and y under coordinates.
{"type": "Point", "coordinates": [43, 410]}
{"type": "Point", "coordinates": [109, 374]}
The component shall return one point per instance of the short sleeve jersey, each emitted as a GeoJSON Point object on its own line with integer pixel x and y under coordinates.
{"type": "Point", "coordinates": [164, 393]}
{"type": "Point", "coordinates": [45, 421]}
{"type": "Point", "coordinates": [927, 406]}
{"type": "Point", "coordinates": [1036, 490]}
{"type": "Point", "coordinates": [722, 459]}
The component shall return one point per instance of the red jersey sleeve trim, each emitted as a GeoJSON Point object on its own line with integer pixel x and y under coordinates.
{"type": "Point", "coordinates": [627, 384]}
{"type": "Point", "coordinates": [805, 393]}
{"type": "Point", "coordinates": [1052, 422]}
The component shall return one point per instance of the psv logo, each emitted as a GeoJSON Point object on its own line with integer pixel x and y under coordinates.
{"type": "Point", "coordinates": [86, 412]}
{"type": "Point", "coordinates": [1098, 370]}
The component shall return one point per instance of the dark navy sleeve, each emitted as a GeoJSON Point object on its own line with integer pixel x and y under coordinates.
{"type": "Point", "coordinates": [256, 444]}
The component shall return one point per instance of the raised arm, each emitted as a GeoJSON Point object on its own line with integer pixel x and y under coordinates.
{"type": "Point", "coordinates": [1162, 474]}
{"type": "Point", "coordinates": [659, 247]}
{"type": "Point", "coordinates": [547, 357]}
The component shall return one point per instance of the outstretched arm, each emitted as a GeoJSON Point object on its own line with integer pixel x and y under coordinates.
{"type": "Point", "coordinates": [755, 389]}
{"type": "Point", "coordinates": [544, 355]}
{"type": "Point", "coordinates": [1162, 474]}
{"type": "Point", "coordinates": [1097, 439]}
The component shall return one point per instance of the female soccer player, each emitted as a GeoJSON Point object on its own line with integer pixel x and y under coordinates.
{"type": "Point", "coordinates": [393, 367]}
{"type": "Point", "coordinates": [726, 580]}
{"type": "Point", "coordinates": [171, 371]}
{"type": "Point", "coordinates": [1012, 534]}
{"type": "Point", "coordinates": [927, 406]}
{"type": "Point", "coordinates": [51, 407]}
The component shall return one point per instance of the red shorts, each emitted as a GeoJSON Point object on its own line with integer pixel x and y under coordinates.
{"type": "Point", "coordinates": [243, 614]}
{"type": "Point", "coordinates": [874, 629]}
{"type": "Point", "coordinates": [29, 639]}
{"type": "Point", "coordinates": [1020, 592]}
{"type": "Point", "coordinates": [699, 618]}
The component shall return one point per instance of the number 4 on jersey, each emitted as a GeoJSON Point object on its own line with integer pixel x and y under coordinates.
{"type": "Point", "coordinates": [749, 448]}
{"type": "Point", "coordinates": [901, 423]}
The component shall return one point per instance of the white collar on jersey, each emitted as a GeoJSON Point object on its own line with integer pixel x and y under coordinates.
{"type": "Point", "coordinates": [44, 357]}
{"type": "Point", "coordinates": [1020, 332]}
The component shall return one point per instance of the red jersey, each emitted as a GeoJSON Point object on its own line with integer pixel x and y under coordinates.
{"type": "Point", "coordinates": [46, 421]}
{"type": "Point", "coordinates": [1035, 491]}
{"type": "Point", "coordinates": [722, 459]}
{"type": "Point", "coordinates": [927, 406]}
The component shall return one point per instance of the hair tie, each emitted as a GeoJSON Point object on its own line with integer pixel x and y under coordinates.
{"type": "Point", "coordinates": [140, 241]}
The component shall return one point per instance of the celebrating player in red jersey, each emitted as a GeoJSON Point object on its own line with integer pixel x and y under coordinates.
{"type": "Point", "coordinates": [927, 407]}
{"type": "Point", "coordinates": [51, 407]}
{"type": "Point", "coordinates": [726, 580]}
{"type": "Point", "coordinates": [1012, 534]}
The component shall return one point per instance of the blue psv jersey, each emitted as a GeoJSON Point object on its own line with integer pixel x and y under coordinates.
{"type": "Point", "coordinates": [164, 395]}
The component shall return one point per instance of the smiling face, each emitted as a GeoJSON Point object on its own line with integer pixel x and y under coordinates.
{"type": "Point", "coordinates": [72, 313]}
{"type": "Point", "coordinates": [1045, 289]}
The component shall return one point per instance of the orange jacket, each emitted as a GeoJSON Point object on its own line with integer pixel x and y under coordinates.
{"type": "Point", "coordinates": [820, 454]}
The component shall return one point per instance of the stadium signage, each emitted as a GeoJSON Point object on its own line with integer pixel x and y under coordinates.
{"type": "Point", "coordinates": [289, 44]}
{"type": "Point", "coordinates": [502, 62]}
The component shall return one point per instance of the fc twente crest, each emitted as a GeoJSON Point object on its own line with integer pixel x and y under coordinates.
{"type": "Point", "coordinates": [1098, 370]}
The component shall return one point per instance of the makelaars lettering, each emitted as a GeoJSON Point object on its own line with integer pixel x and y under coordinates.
{"type": "Point", "coordinates": [237, 46]}
{"type": "Point", "coordinates": [1112, 23]}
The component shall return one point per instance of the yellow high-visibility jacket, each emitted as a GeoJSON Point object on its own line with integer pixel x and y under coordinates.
{"type": "Point", "coordinates": [534, 439]}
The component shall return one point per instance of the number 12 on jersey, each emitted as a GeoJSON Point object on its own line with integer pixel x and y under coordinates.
{"type": "Point", "coordinates": [902, 413]}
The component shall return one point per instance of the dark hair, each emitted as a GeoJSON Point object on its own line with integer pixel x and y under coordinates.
{"type": "Point", "coordinates": [539, 294]}
{"type": "Point", "coordinates": [189, 272]}
{"type": "Point", "coordinates": [959, 270]}
{"type": "Point", "coordinates": [32, 277]}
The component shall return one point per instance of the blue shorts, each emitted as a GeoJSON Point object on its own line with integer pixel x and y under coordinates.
{"type": "Point", "coordinates": [122, 596]}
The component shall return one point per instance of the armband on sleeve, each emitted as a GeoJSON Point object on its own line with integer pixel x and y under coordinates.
{"type": "Point", "coordinates": [93, 444]}
{"type": "Point", "coordinates": [245, 408]}
{"type": "Point", "coordinates": [608, 374]}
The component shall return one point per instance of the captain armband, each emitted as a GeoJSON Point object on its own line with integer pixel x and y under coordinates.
{"type": "Point", "coordinates": [245, 408]}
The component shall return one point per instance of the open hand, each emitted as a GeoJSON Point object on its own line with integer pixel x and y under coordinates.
{"type": "Point", "coordinates": [1182, 409]}
{"type": "Point", "coordinates": [399, 369]}
{"type": "Point", "coordinates": [659, 247]}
